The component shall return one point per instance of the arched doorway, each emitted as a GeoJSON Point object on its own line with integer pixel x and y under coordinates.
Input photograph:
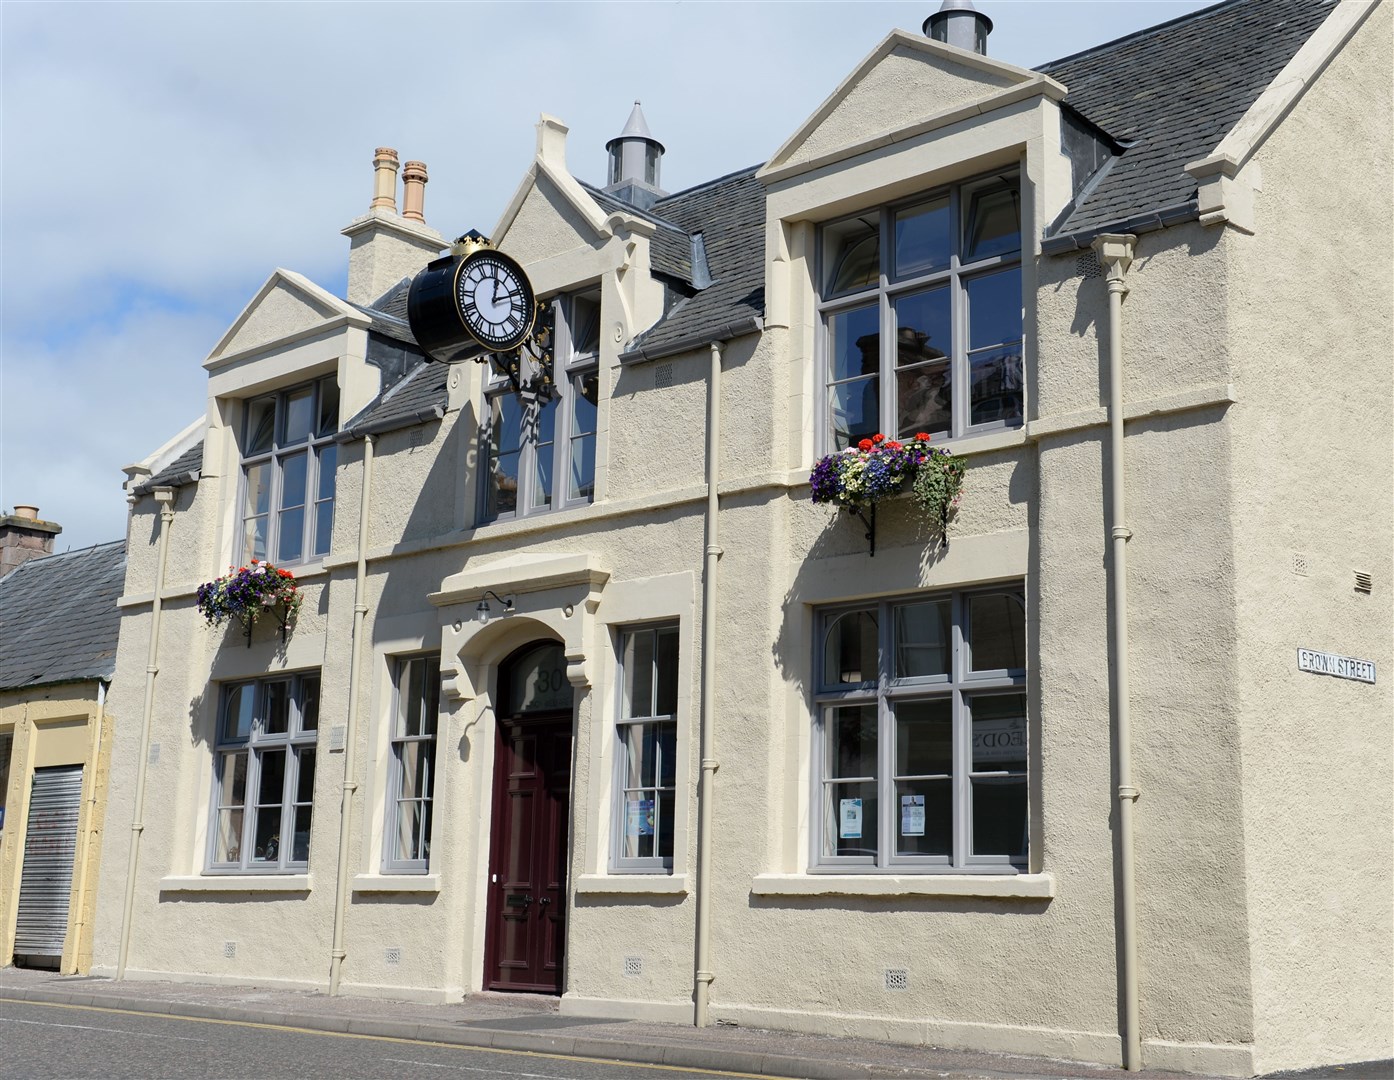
{"type": "Point", "coordinates": [525, 939]}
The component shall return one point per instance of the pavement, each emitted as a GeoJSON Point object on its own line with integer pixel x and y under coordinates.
{"type": "Point", "coordinates": [532, 1023]}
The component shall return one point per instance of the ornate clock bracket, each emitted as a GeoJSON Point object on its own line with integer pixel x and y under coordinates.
{"type": "Point", "coordinates": [530, 368]}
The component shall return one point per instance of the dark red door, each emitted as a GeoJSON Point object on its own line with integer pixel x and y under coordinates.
{"type": "Point", "coordinates": [526, 938]}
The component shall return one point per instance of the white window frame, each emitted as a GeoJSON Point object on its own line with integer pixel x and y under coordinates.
{"type": "Point", "coordinates": [960, 686]}
{"type": "Point", "coordinates": [429, 704]}
{"type": "Point", "coordinates": [299, 738]}
{"type": "Point", "coordinates": [573, 366]}
{"type": "Point", "coordinates": [889, 288]}
{"type": "Point", "coordinates": [321, 453]}
{"type": "Point", "coordinates": [655, 864]}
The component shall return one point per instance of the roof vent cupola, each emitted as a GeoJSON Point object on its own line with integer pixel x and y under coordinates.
{"type": "Point", "coordinates": [635, 158]}
{"type": "Point", "coordinates": [960, 24]}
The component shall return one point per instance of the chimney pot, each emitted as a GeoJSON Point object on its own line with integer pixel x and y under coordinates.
{"type": "Point", "coordinates": [384, 180]}
{"type": "Point", "coordinates": [28, 513]}
{"type": "Point", "coordinates": [414, 191]}
{"type": "Point", "coordinates": [23, 536]}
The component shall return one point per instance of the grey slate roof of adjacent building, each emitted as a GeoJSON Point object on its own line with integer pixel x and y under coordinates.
{"type": "Point", "coordinates": [389, 313]}
{"type": "Point", "coordinates": [58, 617]}
{"type": "Point", "coordinates": [1170, 94]}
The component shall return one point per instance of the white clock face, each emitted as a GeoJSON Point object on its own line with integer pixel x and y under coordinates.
{"type": "Point", "coordinates": [496, 301]}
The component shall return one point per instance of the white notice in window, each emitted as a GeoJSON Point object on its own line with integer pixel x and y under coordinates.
{"type": "Point", "coordinates": [912, 815]}
{"type": "Point", "coordinates": [850, 825]}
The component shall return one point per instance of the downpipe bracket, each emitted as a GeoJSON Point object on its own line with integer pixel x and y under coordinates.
{"type": "Point", "coordinates": [1126, 792]}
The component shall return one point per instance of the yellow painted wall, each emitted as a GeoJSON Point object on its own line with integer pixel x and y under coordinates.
{"type": "Point", "coordinates": [55, 726]}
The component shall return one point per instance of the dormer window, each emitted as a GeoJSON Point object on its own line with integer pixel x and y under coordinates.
{"type": "Point", "coordinates": [541, 455]}
{"type": "Point", "coordinates": [922, 314]}
{"type": "Point", "coordinates": [288, 461]}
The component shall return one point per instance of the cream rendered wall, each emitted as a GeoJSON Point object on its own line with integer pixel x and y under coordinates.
{"type": "Point", "coordinates": [1314, 442]}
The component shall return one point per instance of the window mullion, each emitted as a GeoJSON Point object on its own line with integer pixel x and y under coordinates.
{"type": "Point", "coordinates": [961, 743]}
{"type": "Point", "coordinates": [249, 805]}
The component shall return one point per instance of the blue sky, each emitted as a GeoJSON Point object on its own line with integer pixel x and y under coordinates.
{"type": "Point", "coordinates": [160, 160]}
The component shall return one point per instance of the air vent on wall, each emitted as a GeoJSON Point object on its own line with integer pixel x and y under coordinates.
{"type": "Point", "coordinates": [1087, 265]}
{"type": "Point", "coordinates": [1364, 582]}
{"type": "Point", "coordinates": [633, 967]}
{"type": "Point", "coordinates": [230, 950]}
{"type": "Point", "coordinates": [897, 979]}
{"type": "Point", "coordinates": [392, 954]}
{"type": "Point", "coordinates": [662, 376]}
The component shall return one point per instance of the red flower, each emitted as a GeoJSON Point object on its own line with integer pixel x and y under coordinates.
{"type": "Point", "coordinates": [892, 445]}
{"type": "Point", "coordinates": [865, 444]}
{"type": "Point", "coordinates": [878, 438]}
{"type": "Point", "coordinates": [922, 437]}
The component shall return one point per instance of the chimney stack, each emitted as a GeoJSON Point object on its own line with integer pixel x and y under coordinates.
{"type": "Point", "coordinates": [24, 536]}
{"type": "Point", "coordinates": [414, 191]}
{"type": "Point", "coordinates": [386, 246]}
{"type": "Point", "coordinates": [960, 24]}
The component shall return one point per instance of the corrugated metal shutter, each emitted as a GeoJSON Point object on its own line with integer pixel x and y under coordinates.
{"type": "Point", "coordinates": [50, 846]}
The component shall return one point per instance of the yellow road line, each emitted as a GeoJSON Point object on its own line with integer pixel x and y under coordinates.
{"type": "Point", "coordinates": [389, 1038]}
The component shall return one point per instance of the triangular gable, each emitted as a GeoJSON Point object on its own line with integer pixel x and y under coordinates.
{"type": "Point", "coordinates": [906, 82]}
{"type": "Point", "coordinates": [547, 222]}
{"type": "Point", "coordinates": [287, 305]}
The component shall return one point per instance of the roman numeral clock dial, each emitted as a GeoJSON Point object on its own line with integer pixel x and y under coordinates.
{"type": "Point", "coordinates": [495, 300]}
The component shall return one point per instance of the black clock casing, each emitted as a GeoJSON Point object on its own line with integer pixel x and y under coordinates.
{"type": "Point", "coordinates": [436, 309]}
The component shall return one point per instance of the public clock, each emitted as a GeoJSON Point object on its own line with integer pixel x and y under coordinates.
{"type": "Point", "coordinates": [495, 300]}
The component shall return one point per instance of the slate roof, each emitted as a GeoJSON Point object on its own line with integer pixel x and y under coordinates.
{"type": "Point", "coordinates": [182, 470]}
{"type": "Point", "coordinates": [419, 396]}
{"type": "Point", "coordinates": [1173, 91]}
{"type": "Point", "coordinates": [670, 250]}
{"type": "Point", "coordinates": [730, 213]}
{"type": "Point", "coordinates": [58, 617]}
{"type": "Point", "coordinates": [389, 313]}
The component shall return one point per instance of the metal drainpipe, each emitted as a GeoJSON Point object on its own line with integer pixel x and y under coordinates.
{"type": "Point", "coordinates": [702, 978]}
{"type": "Point", "coordinates": [95, 756]}
{"type": "Point", "coordinates": [1116, 254]}
{"type": "Point", "coordinates": [164, 496]}
{"type": "Point", "coordinates": [350, 785]}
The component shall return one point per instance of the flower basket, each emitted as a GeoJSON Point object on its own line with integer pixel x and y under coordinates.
{"type": "Point", "coordinates": [249, 593]}
{"type": "Point", "coordinates": [877, 468]}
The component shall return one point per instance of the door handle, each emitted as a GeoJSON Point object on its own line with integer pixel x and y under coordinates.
{"type": "Point", "coordinates": [545, 901]}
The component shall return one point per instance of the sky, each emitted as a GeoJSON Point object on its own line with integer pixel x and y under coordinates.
{"type": "Point", "coordinates": [160, 160]}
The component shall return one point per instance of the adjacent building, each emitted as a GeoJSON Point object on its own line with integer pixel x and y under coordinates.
{"type": "Point", "coordinates": [58, 630]}
{"type": "Point", "coordinates": [584, 687]}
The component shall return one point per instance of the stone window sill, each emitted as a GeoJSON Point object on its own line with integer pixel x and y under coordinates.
{"type": "Point", "coordinates": [995, 886]}
{"type": "Point", "coordinates": [286, 883]}
{"type": "Point", "coordinates": [396, 883]}
{"type": "Point", "coordinates": [633, 884]}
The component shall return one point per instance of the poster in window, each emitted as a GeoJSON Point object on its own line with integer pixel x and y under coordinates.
{"type": "Point", "coordinates": [638, 817]}
{"type": "Point", "coordinates": [850, 820]}
{"type": "Point", "coordinates": [912, 815]}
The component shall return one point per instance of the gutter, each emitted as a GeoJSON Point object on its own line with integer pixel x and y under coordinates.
{"type": "Point", "coordinates": [1115, 253]}
{"type": "Point", "coordinates": [350, 785]}
{"type": "Point", "coordinates": [751, 324]}
{"type": "Point", "coordinates": [702, 975]}
{"type": "Point", "coordinates": [190, 476]}
{"type": "Point", "coordinates": [1153, 220]}
{"type": "Point", "coordinates": [391, 423]}
{"type": "Point", "coordinates": [164, 496]}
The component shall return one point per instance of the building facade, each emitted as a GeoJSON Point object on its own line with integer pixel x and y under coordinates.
{"type": "Point", "coordinates": [584, 688]}
{"type": "Point", "coordinates": [58, 632]}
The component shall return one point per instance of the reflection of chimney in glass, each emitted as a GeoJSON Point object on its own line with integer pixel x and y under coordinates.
{"type": "Point", "coordinates": [870, 345]}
